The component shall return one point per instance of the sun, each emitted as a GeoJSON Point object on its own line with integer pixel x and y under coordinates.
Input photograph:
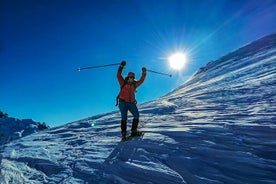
{"type": "Point", "coordinates": [177, 60]}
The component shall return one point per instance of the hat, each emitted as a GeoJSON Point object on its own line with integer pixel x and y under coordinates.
{"type": "Point", "coordinates": [131, 74]}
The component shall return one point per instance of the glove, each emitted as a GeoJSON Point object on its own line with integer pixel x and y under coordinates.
{"type": "Point", "coordinates": [122, 65]}
{"type": "Point", "coordinates": [144, 70]}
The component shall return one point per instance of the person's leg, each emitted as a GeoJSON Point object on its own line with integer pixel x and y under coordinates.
{"type": "Point", "coordinates": [123, 128]}
{"type": "Point", "coordinates": [123, 109]}
{"type": "Point", "coordinates": [134, 111]}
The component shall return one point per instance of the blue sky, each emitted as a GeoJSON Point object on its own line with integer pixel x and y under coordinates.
{"type": "Point", "coordinates": [42, 42]}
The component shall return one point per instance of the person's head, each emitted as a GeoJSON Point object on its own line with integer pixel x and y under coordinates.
{"type": "Point", "coordinates": [130, 77]}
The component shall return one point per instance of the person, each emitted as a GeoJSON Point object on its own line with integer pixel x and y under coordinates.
{"type": "Point", "coordinates": [127, 101]}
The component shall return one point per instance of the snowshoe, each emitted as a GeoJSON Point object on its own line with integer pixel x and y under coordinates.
{"type": "Point", "coordinates": [125, 138]}
{"type": "Point", "coordinates": [132, 135]}
{"type": "Point", "coordinates": [136, 134]}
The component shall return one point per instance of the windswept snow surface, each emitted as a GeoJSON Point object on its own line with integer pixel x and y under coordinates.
{"type": "Point", "coordinates": [218, 127]}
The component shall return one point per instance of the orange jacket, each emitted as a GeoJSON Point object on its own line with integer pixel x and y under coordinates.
{"type": "Point", "coordinates": [127, 93]}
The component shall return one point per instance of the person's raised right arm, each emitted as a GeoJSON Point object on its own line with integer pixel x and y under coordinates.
{"type": "Point", "coordinates": [119, 73]}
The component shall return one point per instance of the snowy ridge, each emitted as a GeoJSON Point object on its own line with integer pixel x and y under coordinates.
{"type": "Point", "coordinates": [13, 128]}
{"type": "Point", "coordinates": [218, 127]}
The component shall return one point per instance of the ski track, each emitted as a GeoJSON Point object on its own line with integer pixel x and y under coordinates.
{"type": "Point", "coordinates": [219, 127]}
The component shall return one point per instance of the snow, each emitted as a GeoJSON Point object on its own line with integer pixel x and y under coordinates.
{"type": "Point", "coordinates": [218, 127]}
{"type": "Point", "coordinates": [13, 128]}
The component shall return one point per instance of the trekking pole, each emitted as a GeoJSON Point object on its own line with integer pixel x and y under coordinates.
{"type": "Point", "coordinates": [159, 73]}
{"type": "Point", "coordinates": [99, 66]}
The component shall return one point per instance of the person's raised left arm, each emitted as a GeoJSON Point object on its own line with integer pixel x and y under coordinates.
{"type": "Point", "coordinates": [142, 78]}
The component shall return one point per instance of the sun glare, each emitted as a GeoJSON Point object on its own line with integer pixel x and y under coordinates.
{"type": "Point", "coordinates": [177, 60]}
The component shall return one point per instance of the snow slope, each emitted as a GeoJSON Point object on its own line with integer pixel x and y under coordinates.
{"type": "Point", "coordinates": [218, 127]}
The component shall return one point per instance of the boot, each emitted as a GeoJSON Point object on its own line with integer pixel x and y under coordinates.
{"type": "Point", "coordinates": [134, 131]}
{"type": "Point", "coordinates": [123, 125]}
{"type": "Point", "coordinates": [124, 136]}
{"type": "Point", "coordinates": [124, 129]}
{"type": "Point", "coordinates": [134, 125]}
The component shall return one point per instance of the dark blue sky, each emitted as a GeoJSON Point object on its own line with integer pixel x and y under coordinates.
{"type": "Point", "coordinates": [44, 41]}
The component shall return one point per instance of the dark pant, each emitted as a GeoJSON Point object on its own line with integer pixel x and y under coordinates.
{"type": "Point", "coordinates": [124, 108]}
